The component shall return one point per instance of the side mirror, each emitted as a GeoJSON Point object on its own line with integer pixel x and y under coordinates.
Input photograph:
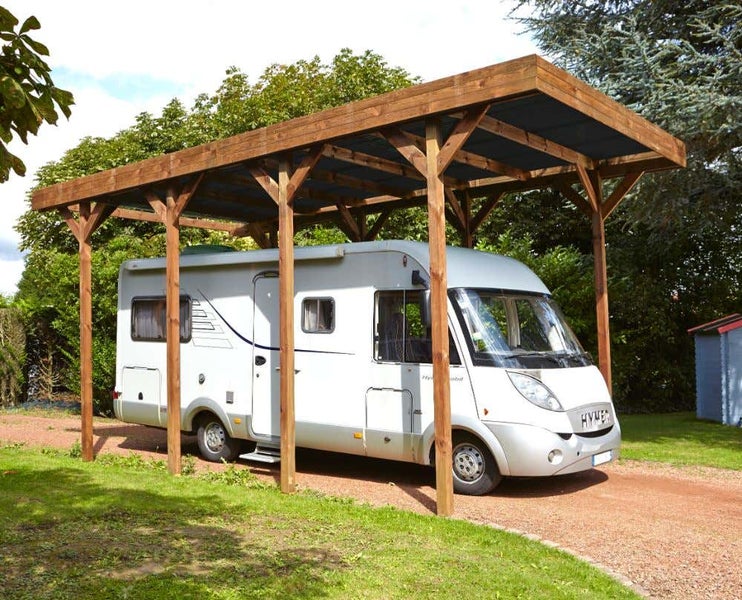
{"type": "Point", "coordinates": [425, 308]}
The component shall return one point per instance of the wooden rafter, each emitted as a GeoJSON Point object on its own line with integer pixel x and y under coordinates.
{"type": "Point", "coordinates": [575, 198]}
{"type": "Point", "coordinates": [349, 224]}
{"type": "Point", "coordinates": [461, 132]}
{"type": "Point", "coordinates": [536, 142]}
{"type": "Point", "coordinates": [263, 178]}
{"type": "Point", "coordinates": [588, 181]}
{"type": "Point", "coordinates": [407, 146]}
{"type": "Point", "coordinates": [619, 192]}
{"type": "Point", "coordinates": [485, 210]}
{"type": "Point", "coordinates": [370, 161]}
{"type": "Point", "coordinates": [299, 176]}
{"type": "Point", "coordinates": [357, 183]}
{"type": "Point", "coordinates": [140, 215]}
{"type": "Point", "coordinates": [383, 217]}
{"type": "Point", "coordinates": [460, 216]}
{"type": "Point", "coordinates": [481, 162]}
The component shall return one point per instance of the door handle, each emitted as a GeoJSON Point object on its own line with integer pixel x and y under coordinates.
{"type": "Point", "coordinates": [260, 361]}
{"type": "Point", "coordinates": [295, 370]}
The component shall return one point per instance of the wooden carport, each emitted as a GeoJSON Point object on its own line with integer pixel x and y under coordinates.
{"type": "Point", "coordinates": [511, 127]}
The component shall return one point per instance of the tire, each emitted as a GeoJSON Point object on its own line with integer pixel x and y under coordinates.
{"type": "Point", "coordinates": [214, 441]}
{"type": "Point", "coordinates": [475, 471]}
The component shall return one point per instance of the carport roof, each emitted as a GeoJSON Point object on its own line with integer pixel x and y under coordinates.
{"type": "Point", "coordinates": [529, 125]}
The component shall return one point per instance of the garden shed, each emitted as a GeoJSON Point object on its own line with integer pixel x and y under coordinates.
{"type": "Point", "coordinates": [719, 370]}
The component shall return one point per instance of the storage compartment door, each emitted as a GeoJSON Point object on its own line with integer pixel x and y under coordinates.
{"type": "Point", "coordinates": [140, 397]}
{"type": "Point", "coordinates": [389, 423]}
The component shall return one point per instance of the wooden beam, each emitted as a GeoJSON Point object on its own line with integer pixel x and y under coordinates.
{"type": "Point", "coordinates": [266, 181]}
{"type": "Point", "coordinates": [575, 198]}
{"type": "Point", "coordinates": [358, 184]}
{"type": "Point", "coordinates": [461, 132]}
{"type": "Point", "coordinates": [439, 314]}
{"type": "Point", "coordinates": [460, 216]}
{"type": "Point", "coordinates": [480, 162]}
{"type": "Point", "coordinates": [286, 326]}
{"type": "Point", "coordinates": [619, 192]}
{"type": "Point", "coordinates": [158, 206]}
{"type": "Point", "coordinates": [535, 142]}
{"type": "Point", "coordinates": [351, 227]}
{"type": "Point", "coordinates": [299, 176]}
{"type": "Point", "coordinates": [406, 146]}
{"type": "Point", "coordinates": [69, 218]}
{"type": "Point", "coordinates": [592, 191]}
{"type": "Point", "coordinates": [484, 211]}
{"type": "Point", "coordinates": [140, 215]}
{"type": "Point", "coordinates": [372, 233]}
{"type": "Point", "coordinates": [371, 162]}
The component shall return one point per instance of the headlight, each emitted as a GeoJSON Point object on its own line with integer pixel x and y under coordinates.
{"type": "Point", "coordinates": [534, 391]}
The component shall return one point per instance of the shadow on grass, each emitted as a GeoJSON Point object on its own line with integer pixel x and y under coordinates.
{"type": "Point", "coordinates": [65, 535]}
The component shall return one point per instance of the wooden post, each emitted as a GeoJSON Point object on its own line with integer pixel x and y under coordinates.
{"type": "Point", "coordinates": [86, 335]}
{"type": "Point", "coordinates": [595, 207]}
{"type": "Point", "coordinates": [601, 298]}
{"type": "Point", "coordinates": [172, 301]}
{"type": "Point", "coordinates": [286, 321]}
{"type": "Point", "coordinates": [439, 314]}
{"type": "Point", "coordinates": [83, 229]}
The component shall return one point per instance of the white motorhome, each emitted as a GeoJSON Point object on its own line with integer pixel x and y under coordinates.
{"type": "Point", "coordinates": [525, 398]}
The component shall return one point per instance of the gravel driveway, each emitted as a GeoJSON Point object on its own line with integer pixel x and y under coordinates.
{"type": "Point", "coordinates": [673, 532]}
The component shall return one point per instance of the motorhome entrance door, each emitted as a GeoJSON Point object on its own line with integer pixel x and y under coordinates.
{"type": "Point", "coordinates": [265, 363]}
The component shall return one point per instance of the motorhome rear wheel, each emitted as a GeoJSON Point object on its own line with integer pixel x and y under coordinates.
{"type": "Point", "coordinates": [214, 442]}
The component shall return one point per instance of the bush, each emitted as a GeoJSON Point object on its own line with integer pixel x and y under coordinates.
{"type": "Point", "coordinates": [12, 357]}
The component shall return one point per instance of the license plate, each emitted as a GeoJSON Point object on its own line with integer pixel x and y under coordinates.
{"type": "Point", "coordinates": [603, 457]}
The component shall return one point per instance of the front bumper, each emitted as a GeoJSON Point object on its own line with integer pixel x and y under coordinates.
{"type": "Point", "coordinates": [537, 452]}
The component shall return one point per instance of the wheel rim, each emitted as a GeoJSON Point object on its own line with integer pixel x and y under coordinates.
{"type": "Point", "coordinates": [214, 437]}
{"type": "Point", "coordinates": [468, 463]}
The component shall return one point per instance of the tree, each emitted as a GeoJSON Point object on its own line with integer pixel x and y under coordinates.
{"type": "Point", "coordinates": [28, 96]}
{"type": "Point", "coordinates": [48, 287]}
{"type": "Point", "coordinates": [675, 244]}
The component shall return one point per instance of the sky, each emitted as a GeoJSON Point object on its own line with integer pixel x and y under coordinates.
{"type": "Point", "coordinates": [120, 59]}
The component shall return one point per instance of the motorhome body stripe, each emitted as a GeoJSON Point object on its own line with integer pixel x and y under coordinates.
{"type": "Point", "coordinates": [260, 346]}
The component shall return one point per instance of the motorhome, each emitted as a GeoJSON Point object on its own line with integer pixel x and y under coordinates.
{"type": "Point", "coordinates": [526, 399]}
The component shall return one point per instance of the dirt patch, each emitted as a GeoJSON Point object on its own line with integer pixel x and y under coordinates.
{"type": "Point", "coordinates": [673, 532]}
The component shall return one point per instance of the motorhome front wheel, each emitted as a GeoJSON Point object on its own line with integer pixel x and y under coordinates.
{"type": "Point", "coordinates": [474, 470]}
{"type": "Point", "coordinates": [214, 442]}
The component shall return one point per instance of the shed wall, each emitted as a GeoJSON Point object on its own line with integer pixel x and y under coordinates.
{"type": "Point", "coordinates": [732, 377]}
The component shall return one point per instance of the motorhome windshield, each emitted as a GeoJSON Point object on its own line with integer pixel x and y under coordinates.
{"type": "Point", "coordinates": [516, 330]}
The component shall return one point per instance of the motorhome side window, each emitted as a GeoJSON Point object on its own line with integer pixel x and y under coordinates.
{"type": "Point", "coordinates": [401, 334]}
{"type": "Point", "coordinates": [149, 319]}
{"type": "Point", "coordinates": [318, 315]}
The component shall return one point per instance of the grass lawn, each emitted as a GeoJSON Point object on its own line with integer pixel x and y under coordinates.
{"type": "Point", "coordinates": [124, 528]}
{"type": "Point", "coordinates": [681, 439]}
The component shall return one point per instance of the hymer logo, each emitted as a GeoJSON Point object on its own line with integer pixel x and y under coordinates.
{"type": "Point", "coordinates": [593, 419]}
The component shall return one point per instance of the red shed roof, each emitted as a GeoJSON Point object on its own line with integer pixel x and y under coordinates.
{"type": "Point", "coordinates": [719, 325]}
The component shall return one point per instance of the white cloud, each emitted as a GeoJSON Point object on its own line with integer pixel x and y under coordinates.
{"type": "Point", "coordinates": [121, 58]}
